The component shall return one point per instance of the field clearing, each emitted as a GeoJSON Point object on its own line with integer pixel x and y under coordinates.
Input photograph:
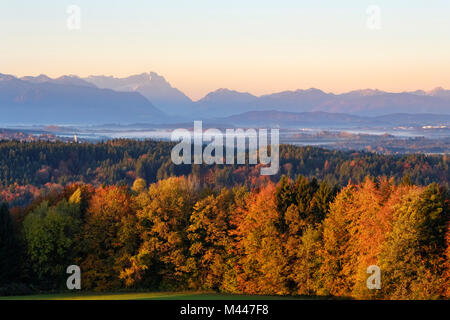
{"type": "Point", "coordinates": [149, 296]}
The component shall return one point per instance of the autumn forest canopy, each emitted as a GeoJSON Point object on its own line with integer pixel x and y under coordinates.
{"type": "Point", "coordinates": [29, 169]}
{"type": "Point", "coordinates": [132, 220]}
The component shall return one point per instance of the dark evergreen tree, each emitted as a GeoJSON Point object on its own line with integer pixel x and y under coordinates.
{"type": "Point", "coordinates": [9, 249]}
{"type": "Point", "coordinates": [320, 203]}
{"type": "Point", "coordinates": [284, 194]}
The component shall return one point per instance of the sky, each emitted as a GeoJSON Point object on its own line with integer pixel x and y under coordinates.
{"type": "Point", "coordinates": [257, 46]}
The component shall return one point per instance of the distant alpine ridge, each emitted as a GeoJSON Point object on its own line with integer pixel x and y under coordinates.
{"type": "Point", "coordinates": [152, 86]}
{"type": "Point", "coordinates": [70, 100]}
{"type": "Point", "coordinates": [149, 98]}
{"type": "Point", "coordinates": [226, 102]}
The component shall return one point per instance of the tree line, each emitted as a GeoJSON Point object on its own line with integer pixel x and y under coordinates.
{"type": "Point", "coordinates": [29, 169]}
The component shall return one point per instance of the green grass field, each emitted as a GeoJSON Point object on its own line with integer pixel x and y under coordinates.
{"type": "Point", "coordinates": [148, 296]}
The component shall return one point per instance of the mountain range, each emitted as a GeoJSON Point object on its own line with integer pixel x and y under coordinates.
{"type": "Point", "coordinates": [225, 102]}
{"type": "Point", "coordinates": [70, 100]}
{"type": "Point", "coordinates": [152, 86]}
{"type": "Point", "coordinates": [368, 102]}
{"type": "Point", "coordinates": [149, 98]}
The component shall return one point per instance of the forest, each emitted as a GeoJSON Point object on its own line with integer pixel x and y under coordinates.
{"type": "Point", "coordinates": [30, 169]}
{"type": "Point", "coordinates": [133, 221]}
{"type": "Point", "coordinates": [296, 237]}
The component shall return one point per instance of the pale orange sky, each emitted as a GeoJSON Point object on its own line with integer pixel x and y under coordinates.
{"type": "Point", "coordinates": [255, 46]}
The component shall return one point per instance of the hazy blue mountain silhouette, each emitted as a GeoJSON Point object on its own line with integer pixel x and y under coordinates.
{"type": "Point", "coordinates": [148, 98]}
{"type": "Point", "coordinates": [41, 101]}
{"type": "Point", "coordinates": [66, 80]}
{"type": "Point", "coordinates": [152, 86]}
{"type": "Point", "coordinates": [225, 102]}
{"type": "Point", "coordinates": [361, 102]}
